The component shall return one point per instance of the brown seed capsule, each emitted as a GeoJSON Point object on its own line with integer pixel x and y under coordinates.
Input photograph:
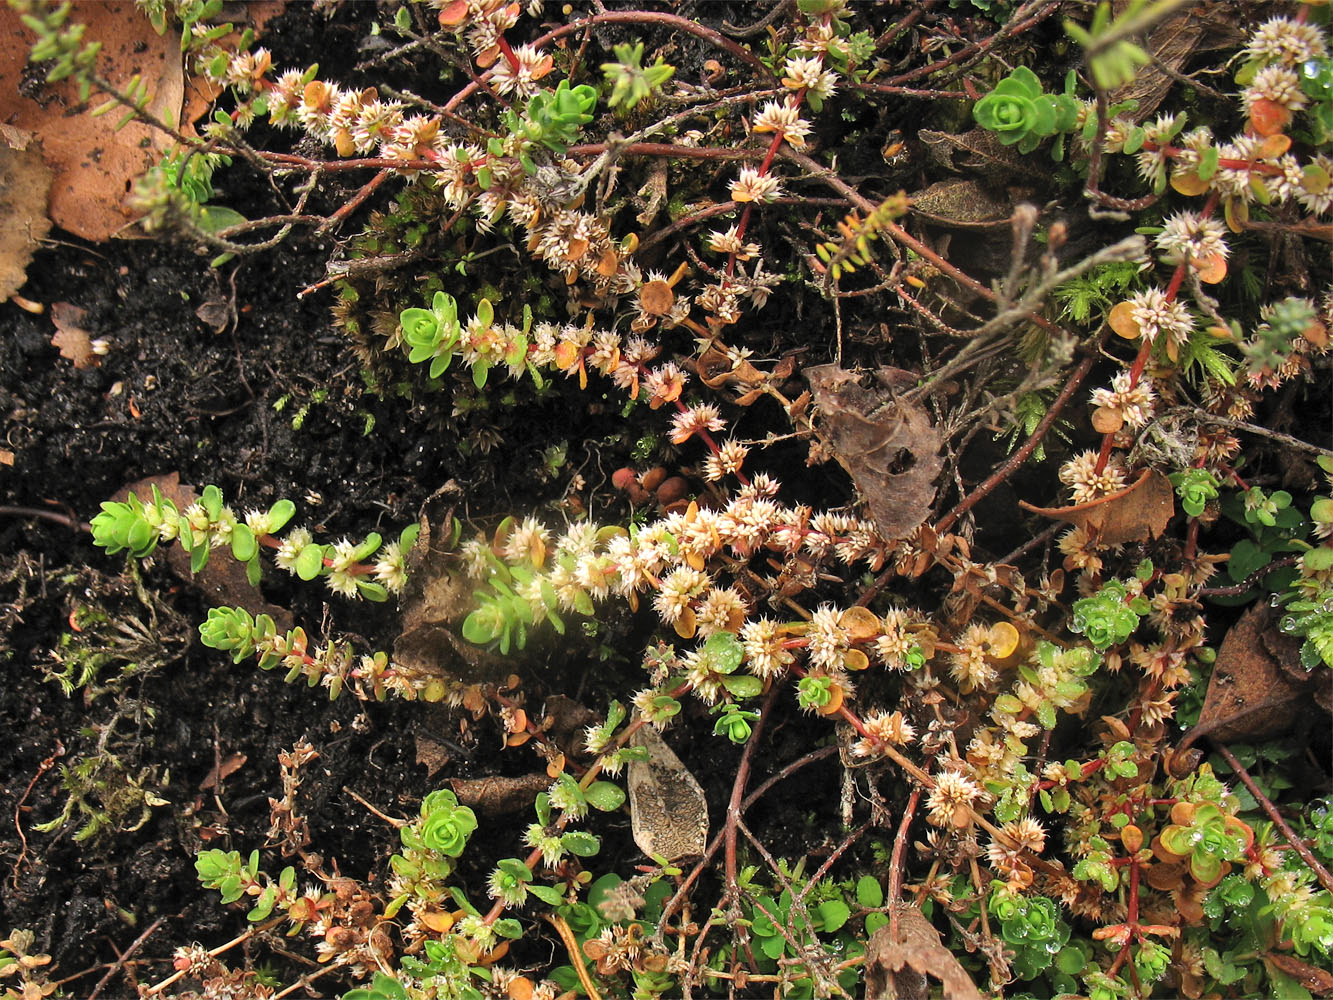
{"type": "Point", "coordinates": [656, 298]}
{"type": "Point", "coordinates": [653, 478]}
{"type": "Point", "coordinates": [672, 490]}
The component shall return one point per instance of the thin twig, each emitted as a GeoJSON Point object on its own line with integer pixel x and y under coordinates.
{"type": "Point", "coordinates": [1297, 845]}
{"type": "Point", "coordinates": [1241, 425]}
{"type": "Point", "coordinates": [125, 956]}
{"type": "Point", "coordinates": [1021, 454]}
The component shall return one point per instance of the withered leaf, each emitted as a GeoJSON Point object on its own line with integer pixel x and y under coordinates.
{"type": "Point", "coordinates": [223, 580]}
{"type": "Point", "coordinates": [896, 967]}
{"type": "Point", "coordinates": [437, 598]}
{"type": "Point", "coordinates": [1259, 689]}
{"type": "Point", "coordinates": [498, 795]}
{"type": "Point", "coordinates": [73, 340]}
{"type": "Point", "coordinates": [224, 770]}
{"type": "Point", "coordinates": [431, 753]}
{"type": "Point", "coordinates": [888, 446]}
{"type": "Point", "coordinates": [977, 151]}
{"type": "Point", "coordinates": [1138, 512]}
{"type": "Point", "coordinates": [94, 162]}
{"type": "Point", "coordinates": [962, 204]}
{"type": "Point", "coordinates": [24, 181]}
{"type": "Point", "coordinates": [1183, 35]}
{"type": "Point", "coordinates": [668, 812]}
{"type": "Point", "coordinates": [1318, 981]}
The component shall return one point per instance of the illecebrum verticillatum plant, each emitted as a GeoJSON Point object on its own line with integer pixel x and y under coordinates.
{"type": "Point", "coordinates": [1021, 726]}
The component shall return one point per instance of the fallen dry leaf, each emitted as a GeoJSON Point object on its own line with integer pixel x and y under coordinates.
{"type": "Point", "coordinates": [437, 599]}
{"type": "Point", "coordinates": [1173, 41]}
{"type": "Point", "coordinates": [1317, 981]}
{"type": "Point", "coordinates": [1138, 512]}
{"type": "Point", "coordinates": [223, 580]}
{"type": "Point", "coordinates": [962, 204]}
{"type": "Point", "coordinates": [95, 165]}
{"type": "Point", "coordinates": [668, 812]}
{"type": "Point", "coordinates": [1258, 690]}
{"type": "Point", "coordinates": [978, 151]}
{"type": "Point", "coordinates": [25, 180]}
{"type": "Point", "coordinates": [229, 766]}
{"type": "Point", "coordinates": [896, 967]}
{"type": "Point", "coordinates": [888, 446]}
{"type": "Point", "coordinates": [499, 796]}
{"type": "Point", "coordinates": [73, 341]}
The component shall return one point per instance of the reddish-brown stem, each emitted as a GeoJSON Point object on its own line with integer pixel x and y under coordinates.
{"type": "Point", "coordinates": [1297, 845]}
{"type": "Point", "coordinates": [738, 790]}
{"type": "Point", "coordinates": [1029, 446]}
{"type": "Point", "coordinates": [507, 52]}
{"type": "Point", "coordinates": [1018, 23]}
{"type": "Point", "coordinates": [355, 202]}
{"type": "Point", "coordinates": [641, 17]}
{"type": "Point", "coordinates": [668, 149]}
{"type": "Point", "coordinates": [896, 865]}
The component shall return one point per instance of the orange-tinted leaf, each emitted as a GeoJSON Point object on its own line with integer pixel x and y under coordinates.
{"type": "Point", "coordinates": [1268, 117]}
{"type": "Point", "coordinates": [1212, 269]}
{"type": "Point", "coordinates": [1106, 420]}
{"type": "Point", "coordinates": [836, 698]}
{"type": "Point", "coordinates": [452, 14]}
{"type": "Point", "coordinates": [860, 624]}
{"type": "Point", "coordinates": [1273, 147]}
{"type": "Point", "coordinates": [1123, 322]}
{"type": "Point", "coordinates": [1189, 183]}
{"type": "Point", "coordinates": [566, 354]}
{"type": "Point", "coordinates": [686, 625]}
{"type": "Point", "coordinates": [656, 298]}
{"type": "Point", "coordinates": [1003, 640]}
{"type": "Point", "coordinates": [1237, 213]}
{"type": "Point", "coordinates": [436, 920]}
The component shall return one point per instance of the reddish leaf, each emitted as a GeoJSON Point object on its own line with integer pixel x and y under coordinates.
{"type": "Point", "coordinates": [1136, 513]}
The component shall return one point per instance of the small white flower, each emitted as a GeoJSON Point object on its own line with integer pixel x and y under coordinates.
{"type": "Point", "coordinates": [750, 186]}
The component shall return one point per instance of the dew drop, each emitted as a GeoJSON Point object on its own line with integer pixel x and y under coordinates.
{"type": "Point", "coordinates": [1288, 624]}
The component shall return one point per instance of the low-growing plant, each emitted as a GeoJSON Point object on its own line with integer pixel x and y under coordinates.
{"type": "Point", "coordinates": [1016, 711]}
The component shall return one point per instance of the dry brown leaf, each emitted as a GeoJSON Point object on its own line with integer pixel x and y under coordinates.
{"type": "Point", "coordinates": [73, 341]}
{"type": "Point", "coordinates": [962, 204]}
{"type": "Point", "coordinates": [888, 446]}
{"type": "Point", "coordinates": [225, 769]}
{"type": "Point", "coordinates": [6, 457]}
{"type": "Point", "coordinates": [668, 813]}
{"type": "Point", "coordinates": [1192, 31]}
{"type": "Point", "coordinates": [25, 180]}
{"type": "Point", "coordinates": [1138, 512]}
{"type": "Point", "coordinates": [1317, 981]}
{"type": "Point", "coordinates": [431, 753]}
{"type": "Point", "coordinates": [95, 165]}
{"type": "Point", "coordinates": [437, 599]}
{"type": "Point", "coordinates": [223, 580]}
{"type": "Point", "coordinates": [978, 151]}
{"type": "Point", "coordinates": [498, 796]}
{"type": "Point", "coordinates": [1258, 690]}
{"type": "Point", "coordinates": [896, 967]}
